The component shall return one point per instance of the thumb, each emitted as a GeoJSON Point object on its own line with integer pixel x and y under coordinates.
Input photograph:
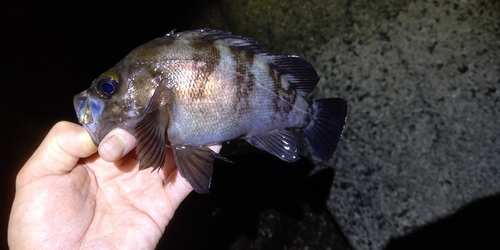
{"type": "Point", "coordinates": [116, 144]}
{"type": "Point", "coordinates": [61, 149]}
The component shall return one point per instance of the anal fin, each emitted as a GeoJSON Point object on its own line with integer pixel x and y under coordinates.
{"type": "Point", "coordinates": [195, 164]}
{"type": "Point", "coordinates": [280, 143]}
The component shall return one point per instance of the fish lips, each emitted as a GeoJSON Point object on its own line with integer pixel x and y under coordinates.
{"type": "Point", "coordinates": [88, 111]}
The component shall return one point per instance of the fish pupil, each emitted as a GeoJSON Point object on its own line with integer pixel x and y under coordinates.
{"type": "Point", "coordinates": [106, 86]}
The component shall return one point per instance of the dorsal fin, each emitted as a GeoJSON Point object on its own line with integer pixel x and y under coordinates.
{"type": "Point", "coordinates": [297, 71]}
{"type": "Point", "coordinates": [209, 35]}
{"type": "Point", "coordinates": [294, 69]}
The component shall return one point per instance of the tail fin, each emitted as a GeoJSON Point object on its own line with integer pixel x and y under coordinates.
{"type": "Point", "coordinates": [325, 129]}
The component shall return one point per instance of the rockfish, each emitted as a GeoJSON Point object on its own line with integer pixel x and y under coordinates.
{"type": "Point", "coordinates": [194, 88]}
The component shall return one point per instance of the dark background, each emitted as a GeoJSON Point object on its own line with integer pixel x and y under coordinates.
{"type": "Point", "coordinates": [50, 52]}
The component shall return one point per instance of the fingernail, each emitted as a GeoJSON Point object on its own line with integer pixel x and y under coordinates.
{"type": "Point", "coordinates": [113, 147]}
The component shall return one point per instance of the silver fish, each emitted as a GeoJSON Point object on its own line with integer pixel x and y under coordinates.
{"type": "Point", "coordinates": [194, 88]}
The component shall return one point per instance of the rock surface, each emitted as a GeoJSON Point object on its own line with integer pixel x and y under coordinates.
{"type": "Point", "coordinates": [423, 84]}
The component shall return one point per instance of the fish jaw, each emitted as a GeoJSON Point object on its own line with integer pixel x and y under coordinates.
{"type": "Point", "coordinates": [88, 111]}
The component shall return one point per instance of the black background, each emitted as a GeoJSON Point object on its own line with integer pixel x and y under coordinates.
{"type": "Point", "coordinates": [52, 51]}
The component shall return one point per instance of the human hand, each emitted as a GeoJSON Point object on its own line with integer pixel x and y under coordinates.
{"type": "Point", "coordinates": [70, 197]}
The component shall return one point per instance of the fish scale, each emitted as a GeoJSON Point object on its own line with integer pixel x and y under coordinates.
{"type": "Point", "coordinates": [190, 89]}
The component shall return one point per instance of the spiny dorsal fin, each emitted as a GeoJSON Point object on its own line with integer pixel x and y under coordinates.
{"type": "Point", "coordinates": [297, 71]}
{"type": "Point", "coordinates": [294, 69]}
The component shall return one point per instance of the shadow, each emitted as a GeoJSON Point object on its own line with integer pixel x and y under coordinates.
{"type": "Point", "coordinates": [240, 192]}
{"type": "Point", "coordinates": [474, 226]}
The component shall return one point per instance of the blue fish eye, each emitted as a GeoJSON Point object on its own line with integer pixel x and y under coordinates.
{"type": "Point", "coordinates": [106, 86]}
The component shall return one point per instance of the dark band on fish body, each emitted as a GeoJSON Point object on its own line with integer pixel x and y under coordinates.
{"type": "Point", "coordinates": [206, 50]}
{"type": "Point", "coordinates": [284, 95]}
{"type": "Point", "coordinates": [245, 80]}
{"type": "Point", "coordinates": [288, 95]}
{"type": "Point", "coordinates": [276, 100]}
{"type": "Point", "coordinates": [197, 90]}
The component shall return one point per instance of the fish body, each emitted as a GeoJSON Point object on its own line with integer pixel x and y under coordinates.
{"type": "Point", "coordinates": [195, 88]}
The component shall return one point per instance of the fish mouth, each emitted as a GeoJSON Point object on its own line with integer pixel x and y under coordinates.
{"type": "Point", "coordinates": [88, 111]}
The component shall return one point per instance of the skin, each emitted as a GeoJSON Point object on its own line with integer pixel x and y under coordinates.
{"type": "Point", "coordinates": [68, 196]}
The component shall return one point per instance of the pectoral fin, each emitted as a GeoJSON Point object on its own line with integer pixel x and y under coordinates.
{"type": "Point", "coordinates": [195, 164]}
{"type": "Point", "coordinates": [280, 143]}
{"type": "Point", "coordinates": [150, 145]}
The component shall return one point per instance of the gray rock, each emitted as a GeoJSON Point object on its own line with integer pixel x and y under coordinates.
{"type": "Point", "coordinates": [423, 84]}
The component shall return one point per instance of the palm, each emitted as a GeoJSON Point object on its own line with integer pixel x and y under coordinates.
{"type": "Point", "coordinates": [95, 204]}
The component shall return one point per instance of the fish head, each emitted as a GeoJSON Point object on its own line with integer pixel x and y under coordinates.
{"type": "Point", "coordinates": [118, 98]}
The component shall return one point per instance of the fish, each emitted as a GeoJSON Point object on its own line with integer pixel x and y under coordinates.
{"type": "Point", "coordinates": [190, 89]}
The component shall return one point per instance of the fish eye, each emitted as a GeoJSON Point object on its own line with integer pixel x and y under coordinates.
{"type": "Point", "coordinates": [106, 84]}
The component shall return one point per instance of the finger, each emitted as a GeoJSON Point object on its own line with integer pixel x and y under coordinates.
{"type": "Point", "coordinates": [177, 189]}
{"type": "Point", "coordinates": [169, 165]}
{"type": "Point", "coordinates": [61, 149]}
{"type": "Point", "coordinates": [116, 144]}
